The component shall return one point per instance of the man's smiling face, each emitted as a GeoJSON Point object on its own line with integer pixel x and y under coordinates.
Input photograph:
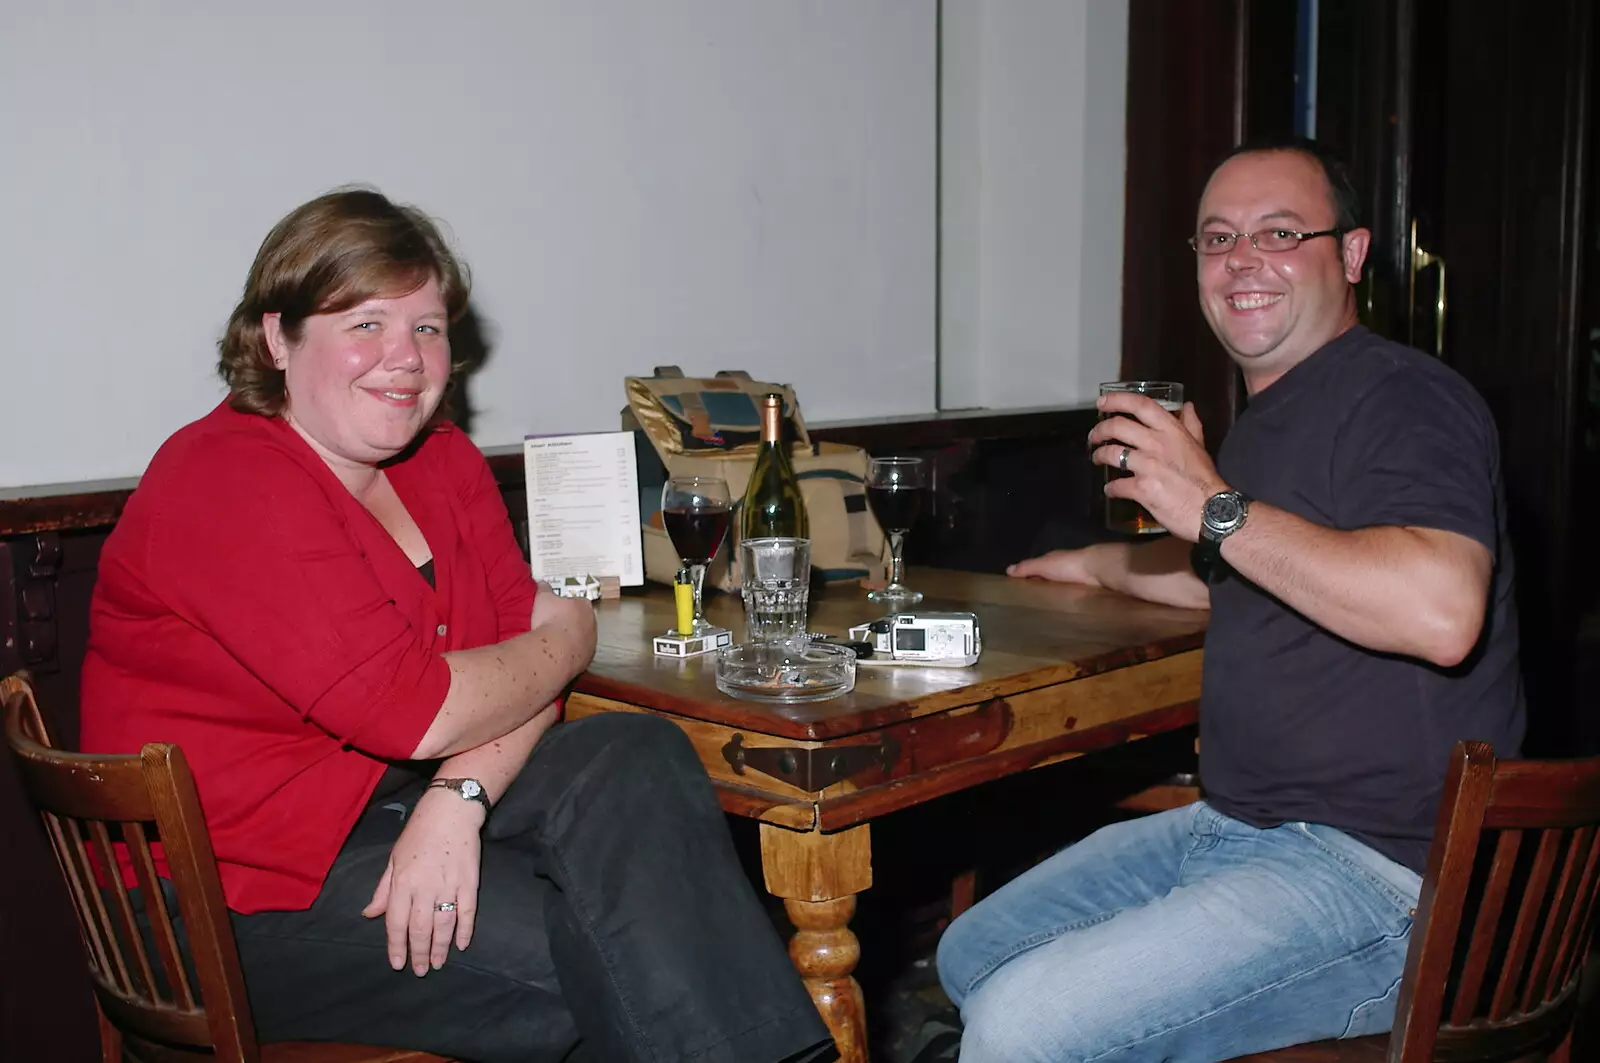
{"type": "Point", "coordinates": [1272, 309]}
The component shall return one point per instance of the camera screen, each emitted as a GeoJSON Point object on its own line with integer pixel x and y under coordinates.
{"type": "Point", "coordinates": [910, 638]}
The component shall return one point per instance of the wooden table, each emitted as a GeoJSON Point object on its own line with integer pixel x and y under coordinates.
{"type": "Point", "coordinates": [1065, 670]}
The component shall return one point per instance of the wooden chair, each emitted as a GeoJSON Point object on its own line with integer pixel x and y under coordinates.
{"type": "Point", "coordinates": [175, 1011]}
{"type": "Point", "coordinates": [1504, 924]}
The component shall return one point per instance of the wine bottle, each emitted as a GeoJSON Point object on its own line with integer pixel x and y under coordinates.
{"type": "Point", "coordinates": [772, 504]}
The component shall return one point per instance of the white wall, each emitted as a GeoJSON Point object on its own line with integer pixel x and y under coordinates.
{"type": "Point", "coordinates": [712, 183]}
{"type": "Point", "coordinates": [1032, 153]}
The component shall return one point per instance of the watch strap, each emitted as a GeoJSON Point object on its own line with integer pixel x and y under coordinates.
{"type": "Point", "coordinates": [474, 792]}
{"type": "Point", "coordinates": [1205, 558]}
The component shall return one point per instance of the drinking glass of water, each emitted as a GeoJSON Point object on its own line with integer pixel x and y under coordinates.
{"type": "Point", "coordinates": [775, 578]}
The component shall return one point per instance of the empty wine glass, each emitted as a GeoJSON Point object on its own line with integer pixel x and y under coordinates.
{"type": "Point", "coordinates": [894, 490]}
{"type": "Point", "coordinates": [695, 510]}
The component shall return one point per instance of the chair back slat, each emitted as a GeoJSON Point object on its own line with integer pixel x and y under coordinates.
{"type": "Point", "coordinates": [1530, 912]}
{"type": "Point", "coordinates": [1507, 911]}
{"type": "Point", "coordinates": [161, 919]}
{"type": "Point", "coordinates": [1574, 948]}
{"type": "Point", "coordinates": [122, 926]}
{"type": "Point", "coordinates": [102, 814]}
{"type": "Point", "coordinates": [1569, 871]}
{"type": "Point", "coordinates": [65, 843]}
{"type": "Point", "coordinates": [1469, 988]}
{"type": "Point", "coordinates": [97, 914]}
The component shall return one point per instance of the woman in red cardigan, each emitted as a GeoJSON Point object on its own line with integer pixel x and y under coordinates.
{"type": "Point", "coordinates": [316, 592]}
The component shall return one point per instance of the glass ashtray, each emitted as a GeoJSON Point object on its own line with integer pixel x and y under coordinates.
{"type": "Point", "coordinates": [788, 672]}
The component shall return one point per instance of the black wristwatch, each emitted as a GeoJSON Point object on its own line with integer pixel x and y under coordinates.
{"type": "Point", "coordinates": [468, 789]}
{"type": "Point", "coordinates": [1223, 514]}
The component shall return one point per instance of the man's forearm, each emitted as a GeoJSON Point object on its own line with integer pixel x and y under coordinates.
{"type": "Point", "coordinates": [1155, 572]}
{"type": "Point", "coordinates": [1412, 591]}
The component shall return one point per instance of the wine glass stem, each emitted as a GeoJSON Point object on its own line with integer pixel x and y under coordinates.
{"type": "Point", "coordinates": [897, 570]}
{"type": "Point", "coordinates": [697, 579]}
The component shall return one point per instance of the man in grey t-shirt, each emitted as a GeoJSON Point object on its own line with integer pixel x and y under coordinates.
{"type": "Point", "coordinates": [1350, 542]}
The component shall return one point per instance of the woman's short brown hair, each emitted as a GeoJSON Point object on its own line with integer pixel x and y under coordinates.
{"type": "Point", "coordinates": [326, 256]}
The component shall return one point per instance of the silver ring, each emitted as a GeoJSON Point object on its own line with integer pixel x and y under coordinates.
{"type": "Point", "coordinates": [445, 906]}
{"type": "Point", "coordinates": [1122, 461]}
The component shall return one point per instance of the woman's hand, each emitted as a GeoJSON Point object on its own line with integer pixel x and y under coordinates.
{"type": "Point", "coordinates": [433, 862]}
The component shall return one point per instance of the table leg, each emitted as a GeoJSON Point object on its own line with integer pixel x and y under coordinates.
{"type": "Point", "coordinates": [818, 876]}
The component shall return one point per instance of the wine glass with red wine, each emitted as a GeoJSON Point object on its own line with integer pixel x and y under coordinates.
{"type": "Point", "coordinates": [895, 487]}
{"type": "Point", "coordinates": [695, 510]}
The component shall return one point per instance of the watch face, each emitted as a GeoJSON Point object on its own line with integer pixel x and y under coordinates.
{"type": "Point", "coordinates": [1222, 510]}
{"type": "Point", "coordinates": [470, 788]}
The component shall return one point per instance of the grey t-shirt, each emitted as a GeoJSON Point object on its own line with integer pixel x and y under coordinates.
{"type": "Point", "coordinates": [1296, 723]}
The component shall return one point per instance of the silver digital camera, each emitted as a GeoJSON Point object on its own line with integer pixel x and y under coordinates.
{"type": "Point", "coordinates": [947, 640]}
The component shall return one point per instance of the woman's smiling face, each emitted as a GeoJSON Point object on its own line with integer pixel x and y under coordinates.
{"type": "Point", "coordinates": [363, 382]}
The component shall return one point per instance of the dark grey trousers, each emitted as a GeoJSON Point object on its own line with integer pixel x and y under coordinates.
{"type": "Point", "coordinates": [614, 924]}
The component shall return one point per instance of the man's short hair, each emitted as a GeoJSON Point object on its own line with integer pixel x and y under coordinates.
{"type": "Point", "coordinates": [1348, 212]}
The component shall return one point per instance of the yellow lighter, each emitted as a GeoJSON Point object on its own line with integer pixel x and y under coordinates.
{"type": "Point", "coordinates": [683, 598]}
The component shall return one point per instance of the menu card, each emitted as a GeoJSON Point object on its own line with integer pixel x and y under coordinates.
{"type": "Point", "coordinates": [583, 506]}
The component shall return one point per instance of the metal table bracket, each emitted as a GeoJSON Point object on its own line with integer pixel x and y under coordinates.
{"type": "Point", "coordinates": [812, 770]}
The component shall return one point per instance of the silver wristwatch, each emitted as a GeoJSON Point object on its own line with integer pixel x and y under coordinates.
{"type": "Point", "coordinates": [1223, 514]}
{"type": "Point", "coordinates": [468, 789]}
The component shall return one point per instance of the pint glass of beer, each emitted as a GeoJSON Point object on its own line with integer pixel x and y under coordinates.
{"type": "Point", "coordinates": [1123, 514]}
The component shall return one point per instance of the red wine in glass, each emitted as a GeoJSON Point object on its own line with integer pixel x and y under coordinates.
{"type": "Point", "coordinates": [894, 491]}
{"type": "Point", "coordinates": [695, 511]}
{"type": "Point", "coordinates": [696, 531]}
{"type": "Point", "coordinates": [895, 507]}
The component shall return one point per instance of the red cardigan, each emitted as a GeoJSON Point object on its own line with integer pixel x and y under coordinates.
{"type": "Point", "coordinates": [251, 610]}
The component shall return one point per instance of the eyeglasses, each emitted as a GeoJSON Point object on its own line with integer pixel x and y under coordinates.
{"type": "Point", "coordinates": [1220, 243]}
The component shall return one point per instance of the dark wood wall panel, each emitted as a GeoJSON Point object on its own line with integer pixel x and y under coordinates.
{"type": "Point", "coordinates": [1364, 54]}
{"type": "Point", "coordinates": [1181, 119]}
{"type": "Point", "coordinates": [1473, 120]}
{"type": "Point", "coordinates": [1203, 75]}
{"type": "Point", "coordinates": [1517, 117]}
{"type": "Point", "coordinates": [1270, 48]}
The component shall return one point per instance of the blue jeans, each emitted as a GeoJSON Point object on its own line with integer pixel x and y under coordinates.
{"type": "Point", "coordinates": [1182, 937]}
